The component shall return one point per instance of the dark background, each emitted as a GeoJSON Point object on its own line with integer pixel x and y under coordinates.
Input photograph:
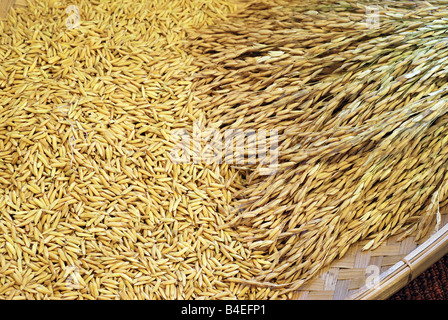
{"type": "Point", "coordinates": [430, 285]}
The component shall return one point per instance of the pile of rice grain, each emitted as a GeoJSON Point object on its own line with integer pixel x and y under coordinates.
{"type": "Point", "coordinates": [91, 205]}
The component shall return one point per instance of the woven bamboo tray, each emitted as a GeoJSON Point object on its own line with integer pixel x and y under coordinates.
{"type": "Point", "coordinates": [378, 274]}
{"type": "Point", "coordinates": [367, 275]}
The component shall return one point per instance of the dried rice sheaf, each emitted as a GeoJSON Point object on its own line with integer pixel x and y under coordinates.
{"type": "Point", "coordinates": [92, 207]}
{"type": "Point", "coordinates": [362, 121]}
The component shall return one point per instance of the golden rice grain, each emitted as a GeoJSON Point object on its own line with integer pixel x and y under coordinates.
{"type": "Point", "coordinates": [91, 206]}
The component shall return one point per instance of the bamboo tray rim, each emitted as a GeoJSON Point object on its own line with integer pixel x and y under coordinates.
{"type": "Point", "coordinates": [407, 269]}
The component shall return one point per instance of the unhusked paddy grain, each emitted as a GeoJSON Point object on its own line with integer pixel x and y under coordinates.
{"type": "Point", "coordinates": [92, 207]}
